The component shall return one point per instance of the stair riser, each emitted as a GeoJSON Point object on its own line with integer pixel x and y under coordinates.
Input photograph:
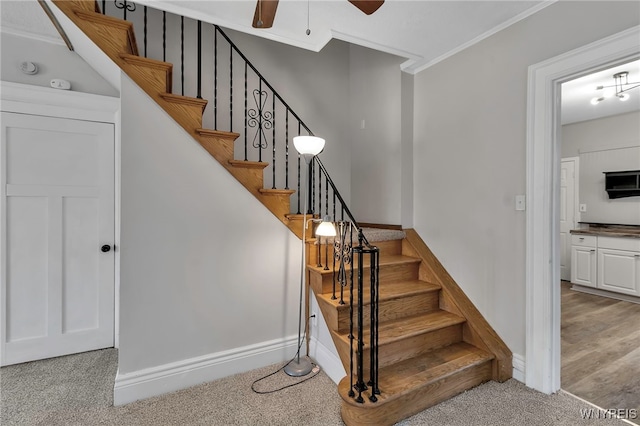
{"type": "Point", "coordinates": [390, 309]}
{"type": "Point", "coordinates": [220, 148]}
{"type": "Point", "coordinates": [400, 350]}
{"type": "Point", "coordinates": [189, 116]}
{"type": "Point", "coordinates": [156, 78]}
{"type": "Point", "coordinates": [415, 402]}
{"type": "Point", "coordinates": [323, 283]}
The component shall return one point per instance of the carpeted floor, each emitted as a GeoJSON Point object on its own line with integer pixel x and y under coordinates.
{"type": "Point", "coordinates": [77, 390]}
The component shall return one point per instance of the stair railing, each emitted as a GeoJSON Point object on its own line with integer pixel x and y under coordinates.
{"type": "Point", "coordinates": [259, 106]}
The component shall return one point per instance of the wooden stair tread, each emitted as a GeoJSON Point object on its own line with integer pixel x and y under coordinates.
{"type": "Point", "coordinates": [248, 164]}
{"type": "Point", "coordinates": [275, 191]}
{"type": "Point", "coordinates": [414, 373]}
{"type": "Point", "coordinates": [388, 291]}
{"type": "Point", "coordinates": [402, 328]}
{"type": "Point", "coordinates": [385, 260]}
{"type": "Point", "coordinates": [184, 100]}
{"type": "Point", "coordinates": [148, 62]}
{"type": "Point", "coordinates": [218, 133]}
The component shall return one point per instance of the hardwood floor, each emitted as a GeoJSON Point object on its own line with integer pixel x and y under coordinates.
{"type": "Point", "coordinates": [600, 349]}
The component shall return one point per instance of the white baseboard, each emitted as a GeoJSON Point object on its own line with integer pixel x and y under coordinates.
{"type": "Point", "coordinates": [182, 374]}
{"type": "Point", "coordinates": [327, 359]}
{"type": "Point", "coordinates": [518, 367]}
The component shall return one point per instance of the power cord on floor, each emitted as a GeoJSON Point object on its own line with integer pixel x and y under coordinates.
{"type": "Point", "coordinates": [315, 369]}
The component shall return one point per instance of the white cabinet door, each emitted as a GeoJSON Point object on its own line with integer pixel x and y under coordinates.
{"type": "Point", "coordinates": [57, 291]}
{"type": "Point", "coordinates": [619, 271]}
{"type": "Point", "coordinates": [583, 265]}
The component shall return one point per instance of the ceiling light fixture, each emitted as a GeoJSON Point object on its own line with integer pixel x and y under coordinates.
{"type": "Point", "coordinates": [621, 86]}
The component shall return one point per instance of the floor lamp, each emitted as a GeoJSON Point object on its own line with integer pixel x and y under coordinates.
{"type": "Point", "coordinates": [308, 147]}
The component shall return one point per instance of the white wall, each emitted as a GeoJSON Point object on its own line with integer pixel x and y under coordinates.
{"type": "Point", "coordinates": [469, 152]}
{"type": "Point", "coordinates": [375, 98]}
{"type": "Point", "coordinates": [53, 60]}
{"type": "Point", "coordinates": [205, 267]}
{"type": "Point", "coordinates": [605, 145]}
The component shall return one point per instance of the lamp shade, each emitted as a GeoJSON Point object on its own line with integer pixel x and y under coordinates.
{"type": "Point", "coordinates": [308, 145]}
{"type": "Point", "coordinates": [326, 228]}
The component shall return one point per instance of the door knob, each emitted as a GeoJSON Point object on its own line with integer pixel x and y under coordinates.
{"type": "Point", "coordinates": [105, 248]}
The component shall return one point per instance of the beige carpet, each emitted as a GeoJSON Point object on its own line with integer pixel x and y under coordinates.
{"type": "Point", "coordinates": [77, 390]}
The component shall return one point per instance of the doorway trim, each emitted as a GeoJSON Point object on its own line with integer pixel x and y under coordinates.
{"type": "Point", "coordinates": [45, 101]}
{"type": "Point", "coordinates": [543, 181]}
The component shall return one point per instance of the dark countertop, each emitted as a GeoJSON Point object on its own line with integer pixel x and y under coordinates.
{"type": "Point", "coordinates": [625, 231]}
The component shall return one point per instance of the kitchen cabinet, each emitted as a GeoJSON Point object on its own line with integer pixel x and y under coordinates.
{"type": "Point", "coordinates": [583, 260]}
{"type": "Point", "coordinates": [619, 265]}
{"type": "Point", "coordinates": [606, 263]}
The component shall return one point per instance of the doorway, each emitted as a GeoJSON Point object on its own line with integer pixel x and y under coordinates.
{"type": "Point", "coordinates": [57, 179]}
{"type": "Point", "coordinates": [543, 170]}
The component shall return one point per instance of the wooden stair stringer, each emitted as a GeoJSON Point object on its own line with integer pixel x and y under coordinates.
{"type": "Point", "coordinates": [116, 38]}
{"type": "Point", "coordinates": [477, 331]}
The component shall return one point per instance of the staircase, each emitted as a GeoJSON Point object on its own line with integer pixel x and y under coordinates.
{"type": "Point", "coordinates": [433, 343]}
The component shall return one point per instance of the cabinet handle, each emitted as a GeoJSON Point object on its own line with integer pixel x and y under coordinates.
{"type": "Point", "coordinates": [581, 238]}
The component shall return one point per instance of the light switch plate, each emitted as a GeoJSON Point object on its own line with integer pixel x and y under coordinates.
{"type": "Point", "coordinates": [520, 202]}
{"type": "Point", "coordinates": [583, 208]}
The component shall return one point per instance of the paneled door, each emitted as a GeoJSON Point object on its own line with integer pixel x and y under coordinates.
{"type": "Point", "coordinates": [56, 252]}
{"type": "Point", "coordinates": [567, 214]}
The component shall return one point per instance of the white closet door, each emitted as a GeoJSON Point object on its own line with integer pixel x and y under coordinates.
{"type": "Point", "coordinates": [57, 295]}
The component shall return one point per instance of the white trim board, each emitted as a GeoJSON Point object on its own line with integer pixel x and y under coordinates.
{"type": "Point", "coordinates": [130, 387]}
{"type": "Point", "coordinates": [326, 359]}
{"type": "Point", "coordinates": [543, 183]}
{"type": "Point", "coordinates": [519, 368]}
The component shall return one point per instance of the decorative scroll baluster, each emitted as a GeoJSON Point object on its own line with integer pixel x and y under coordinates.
{"type": "Point", "coordinates": [124, 6]}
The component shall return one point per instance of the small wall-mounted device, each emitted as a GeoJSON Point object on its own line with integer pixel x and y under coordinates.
{"type": "Point", "coordinates": [29, 68]}
{"type": "Point", "coordinates": [58, 83]}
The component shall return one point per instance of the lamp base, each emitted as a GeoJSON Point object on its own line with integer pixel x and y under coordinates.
{"type": "Point", "coordinates": [299, 367]}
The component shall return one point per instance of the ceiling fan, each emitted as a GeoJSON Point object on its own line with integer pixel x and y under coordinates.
{"type": "Point", "coordinates": [266, 10]}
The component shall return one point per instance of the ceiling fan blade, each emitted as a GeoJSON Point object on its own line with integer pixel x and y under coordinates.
{"type": "Point", "coordinates": [367, 6]}
{"type": "Point", "coordinates": [265, 13]}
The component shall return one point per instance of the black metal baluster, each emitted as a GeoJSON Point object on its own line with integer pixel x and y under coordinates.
{"type": "Point", "coordinates": [351, 336]}
{"type": "Point", "coordinates": [286, 151]}
{"type": "Point", "coordinates": [199, 92]}
{"type": "Point", "coordinates": [320, 192]}
{"type": "Point", "coordinates": [326, 196]}
{"type": "Point", "coordinates": [246, 112]}
{"type": "Point", "coordinates": [299, 173]}
{"type": "Point", "coordinates": [334, 206]}
{"type": "Point", "coordinates": [230, 88]}
{"type": "Point", "coordinates": [310, 190]}
{"type": "Point", "coordinates": [375, 389]}
{"type": "Point", "coordinates": [145, 31]}
{"type": "Point", "coordinates": [215, 79]}
{"type": "Point", "coordinates": [164, 36]}
{"type": "Point", "coordinates": [273, 138]}
{"type": "Point", "coordinates": [360, 385]}
{"type": "Point", "coordinates": [373, 325]}
{"type": "Point", "coordinates": [182, 54]}
{"type": "Point", "coordinates": [104, 7]}
{"type": "Point", "coordinates": [260, 112]}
